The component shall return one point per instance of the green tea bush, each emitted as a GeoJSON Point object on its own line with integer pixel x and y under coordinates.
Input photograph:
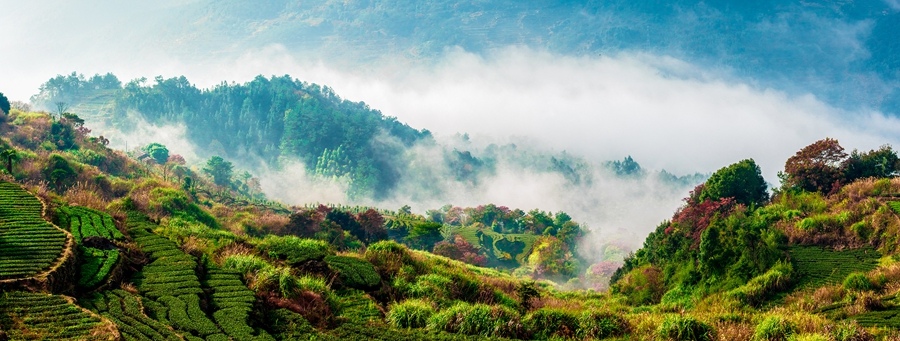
{"type": "Point", "coordinates": [551, 322]}
{"type": "Point", "coordinates": [858, 281]}
{"type": "Point", "coordinates": [777, 278]}
{"type": "Point", "coordinates": [774, 328]}
{"type": "Point", "coordinates": [245, 264]}
{"type": "Point", "coordinates": [411, 313]}
{"type": "Point", "coordinates": [593, 324]}
{"type": "Point", "coordinates": [29, 244]}
{"type": "Point", "coordinates": [96, 266]}
{"type": "Point", "coordinates": [33, 316]}
{"type": "Point", "coordinates": [478, 319]}
{"type": "Point", "coordinates": [354, 272]}
{"type": "Point", "coordinates": [685, 328]}
{"type": "Point", "coordinates": [295, 250]}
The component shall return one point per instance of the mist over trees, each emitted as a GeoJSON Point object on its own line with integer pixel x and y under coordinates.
{"type": "Point", "coordinates": [271, 121]}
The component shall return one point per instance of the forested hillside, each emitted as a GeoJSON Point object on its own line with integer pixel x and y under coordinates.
{"type": "Point", "coordinates": [269, 122]}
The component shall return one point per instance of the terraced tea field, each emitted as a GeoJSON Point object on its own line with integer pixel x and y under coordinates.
{"type": "Point", "coordinates": [171, 281]}
{"type": "Point", "coordinates": [96, 266]}
{"type": "Point", "coordinates": [29, 244]}
{"type": "Point", "coordinates": [514, 246]}
{"type": "Point", "coordinates": [233, 302]}
{"type": "Point", "coordinates": [85, 222]}
{"type": "Point", "coordinates": [126, 311]}
{"type": "Point", "coordinates": [817, 266]}
{"type": "Point", "coordinates": [29, 316]}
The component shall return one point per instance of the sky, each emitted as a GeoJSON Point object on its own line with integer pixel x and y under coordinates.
{"type": "Point", "coordinates": [664, 111]}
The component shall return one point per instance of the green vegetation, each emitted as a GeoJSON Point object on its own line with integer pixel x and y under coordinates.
{"type": "Point", "coordinates": [126, 311]}
{"type": "Point", "coordinates": [201, 260]}
{"type": "Point", "coordinates": [354, 272]}
{"type": "Point", "coordinates": [817, 266]}
{"type": "Point", "coordinates": [31, 316]}
{"type": "Point", "coordinates": [97, 265]}
{"type": "Point", "coordinates": [85, 222]}
{"type": "Point", "coordinates": [29, 245]}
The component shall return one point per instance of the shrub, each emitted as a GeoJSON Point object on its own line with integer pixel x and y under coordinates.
{"type": "Point", "coordinates": [478, 319]}
{"type": "Point", "coordinates": [601, 325]}
{"type": "Point", "coordinates": [642, 285]}
{"type": "Point", "coordinates": [295, 250]}
{"type": "Point", "coordinates": [389, 246]}
{"type": "Point", "coordinates": [354, 272]}
{"type": "Point", "coordinates": [684, 328]}
{"type": "Point", "coordinates": [774, 328]}
{"type": "Point", "coordinates": [850, 331]}
{"type": "Point", "coordinates": [245, 264]}
{"type": "Point", "coordinates": [776, 278]}
{"type": "Point", "coordinates": [388, 257]}
{"type": "Point", "coordinates": [861, 229]}
{"type": "Point", "coordinates": [410, 314]}
{"type": "Point", "coordinates": [552, 322]}
{"type": "Point", "coordinates": [858, 281]}
{"type": "Point", "coordinates": [677, 298]}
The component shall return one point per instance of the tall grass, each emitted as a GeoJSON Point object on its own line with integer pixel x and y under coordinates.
{"type": "Point", "coordinates": [774, 328]}
{"type": "Point", "coordinates": [411, 313]}
{"type": "Point", "coordinates": [685, 328]}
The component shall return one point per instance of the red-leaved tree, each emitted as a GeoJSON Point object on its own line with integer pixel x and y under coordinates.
{"type": "Point", "coordinates": [816, 167]}
{"type": "Point", "coordinates": [460, 250]}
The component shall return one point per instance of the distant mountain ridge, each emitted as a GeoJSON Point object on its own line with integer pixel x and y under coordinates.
{"type": "Point", "coordinates": [842, 51]}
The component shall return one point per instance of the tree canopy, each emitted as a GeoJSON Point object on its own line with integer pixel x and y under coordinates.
{"type": "Point", "coordinates": [742, 181]}
{"type": "Point", "coordinates": [219, 169]}
{"type": "Point", "coordinates": [4, 103]}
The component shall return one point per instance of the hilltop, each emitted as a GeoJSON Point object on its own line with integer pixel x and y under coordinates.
{"type": "Point", "coordinates": [98, 244]}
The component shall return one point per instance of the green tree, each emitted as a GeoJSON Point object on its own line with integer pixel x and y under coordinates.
{"type": "Point", "coordinates": [742, 181]}
{"type": "Point", "coordinates": [219, 169]}
{"type": "Point", "coordinates": [4, 103]}
{"type": "Point", "coordinates": [424, 235]}
{"type": "Point", "coordinates": [9, 155]}
{"type": "Point", "coordinates": [880, 163]}
{"type": "Point", "coordinates": [59, 171]}
{"type": "Point", "coordinates": [158, 152]}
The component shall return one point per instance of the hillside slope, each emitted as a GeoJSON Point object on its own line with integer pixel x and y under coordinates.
{"type": "Point", "coordinates": [160, 257]}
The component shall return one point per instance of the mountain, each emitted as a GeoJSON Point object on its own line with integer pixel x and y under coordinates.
{"type": "Point", "coordinates": [841, 51]}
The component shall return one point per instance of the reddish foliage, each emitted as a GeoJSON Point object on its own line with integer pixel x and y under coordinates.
{"type": "Point", "coordinates": [304, 223]}
{"type": "Point", "coordinates": [311, 305]}
{"type": "Point", "coordinates": [605, 268]}
{"type": "Point", "coordinates": [697, 216]}
{"type": "Point", "coordinates": [460, 250]}
{"type": "Point", "coordinates": [176, 159]}
{"type": "Point", "coordinates": [816, 167]}
{"type": "Point", "coordinates": [372, 224]}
